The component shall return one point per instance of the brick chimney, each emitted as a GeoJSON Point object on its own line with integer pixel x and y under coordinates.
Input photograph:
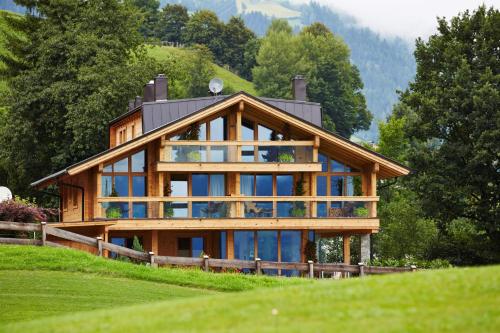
{"type": "Point", "coordinates": [149, 92]}
{"type": "Point", "coordinates": [161, 87]}
{"type": "Point", "coordinates": [299, 88]}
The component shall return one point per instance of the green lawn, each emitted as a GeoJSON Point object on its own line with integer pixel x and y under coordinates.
{"type": "Point", "coordinates": [26, 295]}
{"type": "Point", "coordinates": [44, 282]}
{"type": "Point", "coordinates": [229, 78]}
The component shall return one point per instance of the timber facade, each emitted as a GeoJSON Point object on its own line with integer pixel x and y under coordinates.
{"type": "Point", "coordinates": [233, 177]}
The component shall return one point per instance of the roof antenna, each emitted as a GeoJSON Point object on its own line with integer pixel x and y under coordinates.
{"type": "Point", "coordinates": [215, 86]}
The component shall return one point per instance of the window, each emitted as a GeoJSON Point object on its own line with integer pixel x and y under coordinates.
{"type": "Point", "coordinates": [190, 246]}
{"type": "Point", "coordinates": [284, 185]}
{"type": "Point", "coordinates": [267, 245]}
{"type": "Point", "coordinates": [218, 130]}
{"type": "Point", "coordinates": [244, 247]}
{"type": "Point", "coordinates": [208, 185]}
{"type": "Point", "coordinates": [179, 188]}
{"type": "Point", "coordinates": [291, 242]}
{"type": "Point", "coordinates": [263, 185]}
{"type": "Point", "coordinates": [124, 178]}
{"type": "Point", "coordinates": [223, 245]}
{"type": "Point", "coordinates": [247, 130]}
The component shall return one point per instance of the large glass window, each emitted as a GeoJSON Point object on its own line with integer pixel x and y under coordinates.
{"type": "Point", "coordinates": [336, 185]}
{"type": "Point", "coordinates": [139, 162]}
{"type": "Point", "coordinates": [324, 162]}
{"type": "Point", "coordinates": [204, 185]}
{"type": "Point", "coordinates": [244, 245]}
{"type": "Point", "coordinates": [264, 185]}
{"type": "Point", "coordinates": [179, 185]}
{"type": "Point", "coordinates": [321, 185]}
{"type": "Point", "coordinates": [200, 185]}
{"type": "Point", "coordinates": [264, 133]}
{"type": "Point", "coordinates": [247, 184]}
{"type": "Point", "coordinates": [121, 186]}
{"type": "Point", "coordinates": [196, 247]}
{"type": "Point", "coordinates": [247, 130]}
{"type": "Point", "coordinates": [139, 186]}
{"type": "Point", "coordinates": [284, 184]}
{"type": "Point", "coordinates": [291, 244]}
{"type": "Point", "coordinates": [223, 245]}
{"type": "Point", "coordinates": [267, 245]}
{"type": "Point", "coordinates": [218, 129]}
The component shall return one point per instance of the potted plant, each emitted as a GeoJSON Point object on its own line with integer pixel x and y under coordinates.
{"type": "Point", "coordinates": [285, 158]}
{"type": "Point", "coordinates": [299, 207]}
{"type": "Point", "coordinates": [361, 212]}
{"type": "Point", "coordinates": [193, 156]}
{"type": "Point", "coordinates": [113, 212]}
{"type": "Point", "coordinates": [168, 210]}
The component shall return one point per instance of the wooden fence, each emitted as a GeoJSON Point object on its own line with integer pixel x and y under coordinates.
{"type": "Point", "coordinates": [206, 263]}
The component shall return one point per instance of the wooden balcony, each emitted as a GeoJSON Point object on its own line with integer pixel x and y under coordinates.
{"type": "Point", "coordinates": [239, 156]}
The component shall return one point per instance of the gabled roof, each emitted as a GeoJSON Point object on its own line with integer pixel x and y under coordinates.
{"type": "Point", "coordinates": [392, 168]}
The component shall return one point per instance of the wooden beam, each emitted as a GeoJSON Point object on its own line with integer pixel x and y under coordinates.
{"type": "Point", "coordinates": [230, 244]}
{"type": "Point", "coordinates": [301, 143]}
{"type": "Point", "coordinates": [237, 167]}
{"type": "Point", "coordinates": [347, 248]}
{"type": "Point", "coordinates": [154, 241]}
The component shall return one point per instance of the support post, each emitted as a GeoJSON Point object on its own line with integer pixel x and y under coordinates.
{"type": "Point", "coordinates": [310, 263]}
{"type": "Point", "coordinates": [346, 240]}
{"type": "Point", "coordinates": [361, 269]}
{"type": "Point", "coordinates": [365, 248]}
{"type": "Point", "coordinates": [258, 265]}
{"type": "Point", "coordinates": [205, 263]}
{"type": "Point", "coordinates": [43, 227]}
{"type": "Point", "coordinates": [99, 246]}
{"type": "Point", "coordinates": [152, 259]}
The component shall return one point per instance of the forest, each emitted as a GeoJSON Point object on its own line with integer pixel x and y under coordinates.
{"type": "Point", "coordinates": [445, 124]}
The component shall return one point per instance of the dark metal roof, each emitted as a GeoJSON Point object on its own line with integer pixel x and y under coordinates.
{"type": "Point", "coordinates": [160, 113]}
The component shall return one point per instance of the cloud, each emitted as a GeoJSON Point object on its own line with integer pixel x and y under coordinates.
{"type": "Point", "coordinates": [403, 18]}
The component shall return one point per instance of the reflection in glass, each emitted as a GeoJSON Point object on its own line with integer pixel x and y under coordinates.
{"type": "Point", "coordinates": [321, 209]}
{"type": "Point", "coordinates": [336, 166]}
{"type": "Point", "coordinates": [115, 210]}
{"type": "Point", "coordinates": [336, 185]}
{"type": "Point", "coordinates": [121, 165]}
{"type": "Point", "coordinates": [258, 209]}
{"type": "Point", "coordinates": [200, 185]}
{"type": "Point", "coordinates": [223, 245]}
{"type": "Point", "coordinates": [284, 209]}
{"type": "Point", "coordinates": [179, 185]}
{"type": "Point", "coordinates": [138, 186]}
{"type": "Point", "coordinates": [284, 185]}
{"type": "Point", "coordinates": [247, 132]}
{"type": "Point", "coordinates": [264, 185]}
{"type": "Point", "coordinates": [324, 162]}
{"type": "Point", "coordinates": [267, 245]}
{"type": "Point", "coordinates": [247, 154]}
{"type": "Point", "coordinates": [121, 186]}
{"type": "Point", "coordinates": [290, 249]}
{"type": "Point", "coordinates": [107, 186]}
{"type": "Point", "coordinates": [139, 162]}
{"type": "Point", "coordinates": [218, 129]}
{"type": "Point", "coordinates": [244, 245]}
{"type": "Point", "coordinates": [265, 134]}
{"type": "Point", "coordinates": [247, 184]}
{"type": "Point", "coordinates": [196, 247]}
{"type": "Point", "coordinates": [139, 210]}
{"type": "Point", "coordinates": [321, 185]}
{"type": "Point", "coordinates": [217, 185]}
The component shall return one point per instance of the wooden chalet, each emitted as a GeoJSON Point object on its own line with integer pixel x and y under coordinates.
{"type": "Point", "coordinates": [233, 176]}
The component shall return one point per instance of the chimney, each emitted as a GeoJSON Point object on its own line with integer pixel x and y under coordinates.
{"type": "Point", "coordinates": [161, 87]}
{"type": "Point", "coordinates": [131, 104]}
{"type": "Point", "coordinates": [299, 88]}
{"type": "Point", "coordinates": [149, 92]}
{"type": "Point", "coordinates": [138, 101]}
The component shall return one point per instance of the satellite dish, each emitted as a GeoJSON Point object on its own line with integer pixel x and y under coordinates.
{"type": "Point", "coordinates": [5, 194]}
{"type": "Point", "coordinates": [215, 85]}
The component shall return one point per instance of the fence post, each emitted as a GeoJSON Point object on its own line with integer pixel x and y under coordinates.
{"type": "Point", "coordinates": [205, 263]}
{"type": "Point", "coordinates": [413, 268]}
{"type": "Point", "coordinates": [99, 246]}
{"type": "Point", "coordinates": [361, 269]}
{"type": "Point", "coordinates": [258, 269]}
{"type": "Point", "coordinates": [44, 232]}
{"type": "Point", "coordinates": [152, 259]}
{"type": "Point", "coordinates": [310, 263]}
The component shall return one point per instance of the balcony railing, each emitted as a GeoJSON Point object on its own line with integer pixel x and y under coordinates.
{"type": "Point", "coordinates": [236, 207]}
{"type": "Point", "coordinates": [239, 151]}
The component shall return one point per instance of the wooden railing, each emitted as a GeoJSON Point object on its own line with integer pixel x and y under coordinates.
{"type": "Point", "coordinates": [206, 263]}
{"type": "Point", "coordinates": [241, 206]}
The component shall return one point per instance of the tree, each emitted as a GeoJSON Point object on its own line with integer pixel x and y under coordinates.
{"type": "Point", "coordinates": [75, 70]}
{"type": "Point", "coordinates": [249, 58]}
{"type": "Point", "coordinates": [324, 58]}
{"type": "Point", "coordinates": [150, 16]}
{"type": "Point", "coordinates": [278, 61]}
{"type": "Point", "coordinates": [199, 71]}
{"type": "Point", "coordinates": [236, 36]}
{"type": "Point", "coordinates": [173, 20]}
{"type": "Point", "coordinates": [454, 131]}
{"type": "Point", "coordinates": [205, 28]}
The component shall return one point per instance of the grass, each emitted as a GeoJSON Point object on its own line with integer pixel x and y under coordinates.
{"type": "Point", "coordinates": [453, 300]}
{"type": "Point", "coordinates": [34, 258]}
{"type": "Point", "coordinates": [37, 294]}
{"type": "Point", "coordinates": [230, 79]}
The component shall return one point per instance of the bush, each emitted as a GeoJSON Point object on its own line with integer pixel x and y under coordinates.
{"type": "Point", "coordinates": [24, 210]}
{"type": "Point", "coordinates": [408, 261]}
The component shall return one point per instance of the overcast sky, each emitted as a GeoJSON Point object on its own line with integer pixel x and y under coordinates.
{"type": "Point", "coordinates": [405, 18]}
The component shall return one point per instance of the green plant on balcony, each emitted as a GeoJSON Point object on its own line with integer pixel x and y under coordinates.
{"type": "Point", "coordinates": [168, 210]}
{"type": "Point", "coordinates": [299, 207]}
{"type": "Point", "coordinates": [193, 156]}
{"type": "Point", "coordinates": [285, 158]}
{"type": "Point", "coordinates": [113, 212]}
{"type": "Point", "coordinates": [361, 212]}
{"type": "Point", "coordinates": [297, 211]}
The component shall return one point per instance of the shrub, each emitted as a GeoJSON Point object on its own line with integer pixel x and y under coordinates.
{"type": "Point", "coordinates": [408, 261]}
{"type": "Point", "coordinates": [24, 210]}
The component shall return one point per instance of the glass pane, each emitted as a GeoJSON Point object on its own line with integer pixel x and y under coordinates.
{"type": "Point", "coordinates": [121, 186]}
{"type": "Point", "coordinates": [200, 185]}
{"type": "Point", "coordinates": [286, 154]}
{"type": "Point", "coordinates": [218, 129]}
{"type": "Point", "coordinates": [179, 185]}
{"type": "Point", "coordinates": [354, 186]}
{"type": "Point", "coordinates": [336, 166]}
{"type": "Point", "coordinates": [244, 245]}
{"type": "Point", "coordinates": [108, 168]}
{"type": "Point", "coordinates": [324, 162]}
{"type": "Point", "coordinates": [196, 246]}
{"type": "Point", "coordinates": [183, 247]}
{"type": "Point", "coordinates": [217, 185]}
{"type": "Point", "coordinates": [139, 210]}
{"type": "Point", "coordinates": [247, 185]}
{"type": "Point", "coordinates": [284, 209]}
{"type": "Point", "coordinates": [223, 239]}
{"type": "Point", "coordinates": [351, 169]}
{"type": "Point", "coordinates": [336, 186]}
{"type": "Point", "coordinates": [139, 186]}
{"type": "Point", "coordinates": [115, 210]}
{"type": "Point", "coordinates": [321, 209]}
{"type": "Point", "coordinates": [247, 132]}
{"type": "Point", "coordinates": [258, 209]}
{"type": "Point", "coordinates": [268, 154]}
{"type": "Point", "coordinates": [121, 166]}
{"type": "Point", "coordinates": [139, 162]}
{"type": "Point", "coordinates": [268, 248]}
{"type": "Point", "coordinates": [217, 154]}
{"type": "Point", "coordinates": [284, 185]}
{"type": "Point", "coordinates": [265, 134]}
{"type": "Point", "coordinates": [203, 132]}
{"type": "Point", "coordinates": [106, 186]}
{"type": "Point", "coordinates": [178, 209]}
{"type": "Point", "coordinates": [290, 249]}
{"type": "Point", "coordinates": [200, 209]}
{"type": "Point", "coordinates": [264, 185]}
{"type": "Point", "coordinates": [321, 185]}
{"type": "Point", "coordinates": [311, 235]}
{"type": "Point", "coordinates": [248, 154]}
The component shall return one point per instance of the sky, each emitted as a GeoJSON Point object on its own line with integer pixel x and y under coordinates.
{"type": "Point", "coordinates": [403, 18]}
